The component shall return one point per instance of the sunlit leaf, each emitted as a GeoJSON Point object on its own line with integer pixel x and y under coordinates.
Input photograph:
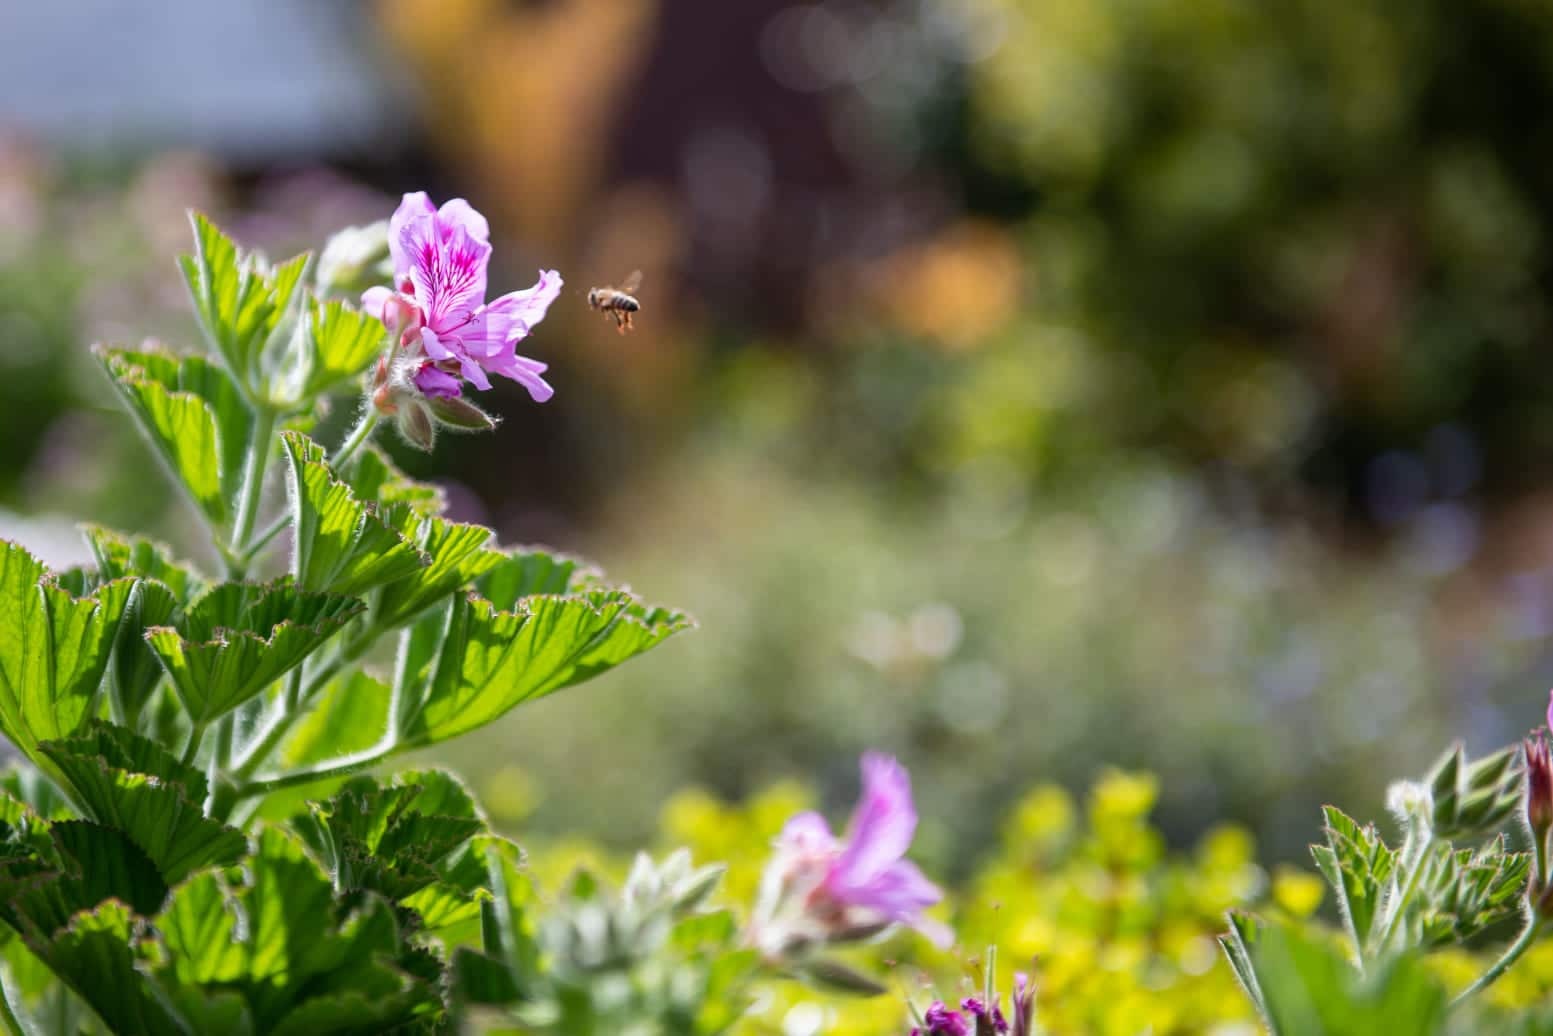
{"type": "Point", "coordinates": [53, 650]}
{"type": "Point", "coordinates": [340, 343]}
{"type": "Point", "coordinates": [471, 662]}
{"type": "Point", "coordinates": [350, 715]}
{"type": "Point", "coordinates": [132, 784]}
{"type": "Point", "coordinates": [375, 479]}
{"type": "Point", "coordinates": [192, 415]}
{"type": "Point", "coordinates": [241, 637]}
{"type": "Point", "coordinates": [239, 303]}
{"type": "Point", "coordinates": [395, 837]}
{"type": "Point", "coordinates": [281, 941]}
{"type": "Point", "coordinates": [340, 544]}
{"type": "Point", "coordinates": [458, 556]}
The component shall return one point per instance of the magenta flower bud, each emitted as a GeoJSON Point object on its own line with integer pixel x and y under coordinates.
{"type": "Point", "coordinates": [1023, 1005]}
{"type": "Point", "coordinates": [1539, 785]}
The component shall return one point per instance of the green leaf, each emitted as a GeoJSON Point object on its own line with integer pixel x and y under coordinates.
{"type": "Point", "coordinates": [45, 879]}
{"type": "Point", "coordinates": [396, 837]}
{"type": "Point", "coordinates": [1473, 800]}
{"type": "Point", "coordinates": [1311, 990]}
{"type": "Point", "coordinates": [119, 555]}
{"type": "Point", "coordinates": [238, 303]}
{"type": "Point", "coordinates": [340, 544]}
{"type": "Point", "coordinates": [241, 637]}
{"type": "Point", "coordinates": [95, 957]}
{"type": "Point", "coordinates": [282, 941]}
{"type": "Point", "coordinates": [340, 343]}
{"type": "Point", "coordinates": [526, 571]}
{"type": "Point", "coordinates": [458, 556]}
{"type": "Point", "coordinates": [133, 785]}
{"type": "Point", "coordinates": [53, 651]}
{"type": "Point", "coordinates": [480, 662]}
{"type": "Point", "coordinates": [1464, 892]}
{"type": "Point", "coordinates": [193, 416]}
{"type": "Point", "coordinates": [375, 479]}
{"type": "Point", "coordinates": [350, 715]}
{"type": "Point", "coordinates": [1358, 866]}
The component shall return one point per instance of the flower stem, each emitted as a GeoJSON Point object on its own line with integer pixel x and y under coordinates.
{"type": "Point", "coordinates": [355, 440]}
{"type": "Point", "coordinates": [1408, 889]}
{"type": "Point", "coordinates": [1499, 967]}
{"type": "Point", "coordinates": [192, 749]}
{"type": "Point", "coordinates": [253, 487]}
{"type": "Point", "coordinates": [339, 768]}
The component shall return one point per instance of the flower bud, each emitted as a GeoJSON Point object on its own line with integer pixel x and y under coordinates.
{"type": "Point", "coordinates": [351, 258]}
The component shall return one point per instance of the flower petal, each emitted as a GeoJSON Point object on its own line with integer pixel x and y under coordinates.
{"type": "Point", "coordinates": [411, 207]}
{"type": "Point", "coordinates": [524, 371]}
{"type": "Point", "coordinates": [882, 825]}
{"type": "Point", "coordinates": [807, 834]}
{"type": "Point", "coordinates": [448, 274]}
{"type": "Point", "coordinates": [459, 213]}
{"type": "Point", "coordinates": [519, 311]}
{"type": "Point", "coordinates": [433, 381]}
{"type": "Point", "coordinates": [374, 299]}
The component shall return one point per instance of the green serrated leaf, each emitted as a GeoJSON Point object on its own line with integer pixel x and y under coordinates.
{"type": "Point", "coordinates": [485, 662]}
{"type": "Point", "coordinates": [526, 571]}
{"type": "Point", "coordinates": [458, 557]}
{"type": "Point", "coordinates": [95, 957]}
{"type": "Point", "coordinates": [281, 940]}
{"type": "Point", "coordinates": [340, 544]}
{"type": "Point", "coordinates": [376, 480]}
{"type": "Point", "coordinates": [395, 837]}
{"type": "Point", "coordinates": [341, 342]}
{"type": "Point", "coordinates": [119, 555]}
{"type": "Point", "coordinates": [238, 303]}
{"type": "Point", "coordinates": [193, 416]}
{"type": "Point", "coordinates": [1364, 865]}
{"type": "Point", "coordinates": [241, 637]}
{"type": "Point", "coordinates": [133, 785]}
{"type": "Point", "coordinates": [53, 652]}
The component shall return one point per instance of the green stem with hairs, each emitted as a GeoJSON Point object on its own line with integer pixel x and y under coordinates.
{"type": "Point", "coordinates": [1522, 943]}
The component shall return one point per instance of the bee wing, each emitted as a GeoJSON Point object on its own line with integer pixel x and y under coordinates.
{"type": "Point", "coordinates": [632, 283]}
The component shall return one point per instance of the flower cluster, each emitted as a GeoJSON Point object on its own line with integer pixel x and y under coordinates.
{"type": "Point", "coordinates": [821, 890]}
{"type": "Point", "coordinates": [444, 333]}
{"type": "Point", "coordinates": [977, 1017]}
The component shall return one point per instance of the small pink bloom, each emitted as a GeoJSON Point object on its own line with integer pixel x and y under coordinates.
{"type": "Point", "coordinates": [440, 258]}
{"type": "Point", "coordinates": [865, 876]}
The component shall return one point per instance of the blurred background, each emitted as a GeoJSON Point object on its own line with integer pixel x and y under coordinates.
{"type": "Point", "coordinates": [1021, 385]}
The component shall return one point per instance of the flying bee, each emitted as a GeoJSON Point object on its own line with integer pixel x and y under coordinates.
{"type": "Point", "coordinates": [620, 302]}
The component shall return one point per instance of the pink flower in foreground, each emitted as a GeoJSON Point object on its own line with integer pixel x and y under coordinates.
{"type": "Point", "coordinates": [439, 310]}
{"type": "Point", "coordinates": [862, 881]}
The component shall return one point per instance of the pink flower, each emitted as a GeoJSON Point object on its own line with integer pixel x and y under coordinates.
{"type": "Point", "coordinates": [864, 879]}
{"type": "Point", "coordinates": [439, 310]}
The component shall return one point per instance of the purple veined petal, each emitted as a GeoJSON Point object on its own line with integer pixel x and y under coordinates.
{"type": "Point", "coordinates": [435, 382]}
{"type": "Point", "coordinates": [882, 825]}
{"type": "Point", "coordinates": [459, 213]}
{"type": "Point", "coordinates": [374, 299]}
{"type": "Point", "coordinates": [448, 275]}
{"type": "Point", "coordinates": [411, 207]}
{"type": "Point", "coordinates": [807, 834]}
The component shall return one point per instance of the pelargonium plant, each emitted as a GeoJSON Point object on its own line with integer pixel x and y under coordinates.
{"type": "Point", "coordinates": [200, 836]}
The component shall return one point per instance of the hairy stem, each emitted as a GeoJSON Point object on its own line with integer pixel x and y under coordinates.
{"type": "Point", "coordinates": [1521, 944]}
{"type": "Point", "coordinates": [354, 441]}
{"type": "Point", "coordinates": [339, 768]}
{"type": "Point", "coordinates": [253, 488]}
